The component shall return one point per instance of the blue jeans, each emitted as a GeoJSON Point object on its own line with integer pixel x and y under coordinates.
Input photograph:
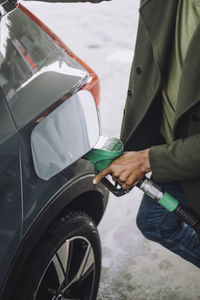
{"type": "Point", "coordinates": [159, 225]}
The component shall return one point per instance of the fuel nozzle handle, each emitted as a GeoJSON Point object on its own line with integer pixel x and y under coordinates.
{"type": "Point", "coordinates": [116, 189]}
{"type": "Point", "coordinates": [102, 155]}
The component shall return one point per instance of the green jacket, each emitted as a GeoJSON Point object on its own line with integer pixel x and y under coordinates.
{"type": "Point", "coordinates": [180, 160]}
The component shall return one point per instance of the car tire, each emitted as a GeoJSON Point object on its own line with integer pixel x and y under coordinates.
{"type": "Point", "coordinates": [66, 264]}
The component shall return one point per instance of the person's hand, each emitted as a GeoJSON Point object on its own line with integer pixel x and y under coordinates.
{"type": "Point", "coordinates": [128, 169]}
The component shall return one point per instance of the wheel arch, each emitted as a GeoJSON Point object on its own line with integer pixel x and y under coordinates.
{"type": "Point", "coordinates": [78, 195]}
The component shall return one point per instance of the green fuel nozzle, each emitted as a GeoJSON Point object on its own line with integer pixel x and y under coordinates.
{"type": "Point", "coordinates": [108, 149]}
{"type": "Point", "coordinates": [101, 156]}
{"type": "Point", "coordinates": [105, 151]}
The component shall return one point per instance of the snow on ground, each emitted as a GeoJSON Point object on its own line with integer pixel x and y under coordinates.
{"type": "Point", "coordinates": [133, 268]}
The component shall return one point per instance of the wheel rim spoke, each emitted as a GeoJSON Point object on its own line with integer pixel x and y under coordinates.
{"type": "Point", "coordinates": [63, 255]}
{"type": "Point", "coordinates": [58, 268]}
{"type": "Point", "coordinates": [89, 262]}
{"type": "Point", "coordinates": [85, 265]}
{"type": "Point", "coordinates": [54, 267]}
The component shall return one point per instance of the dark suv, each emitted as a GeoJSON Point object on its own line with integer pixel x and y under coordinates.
{"type": "Point", "coordinates": [49, 208]}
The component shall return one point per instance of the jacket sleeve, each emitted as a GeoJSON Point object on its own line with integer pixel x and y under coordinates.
{"type": "Point", "coordinates": [177, 161]}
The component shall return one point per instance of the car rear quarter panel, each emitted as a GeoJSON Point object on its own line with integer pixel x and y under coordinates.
{"type": "Point", "coordinates": [36, 77]}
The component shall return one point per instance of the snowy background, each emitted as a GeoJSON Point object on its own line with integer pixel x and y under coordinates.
{"type": "Point", "coordinates": [133, 268]}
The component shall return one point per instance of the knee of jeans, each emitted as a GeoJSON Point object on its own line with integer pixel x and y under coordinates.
{"type": "Point", "coordinates": [157, 228]}
{"type": "Point", "coordinates": [150, 230]}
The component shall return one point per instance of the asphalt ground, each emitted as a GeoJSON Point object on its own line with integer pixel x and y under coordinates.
{"type": "Point", "coordinates": [133, 268]}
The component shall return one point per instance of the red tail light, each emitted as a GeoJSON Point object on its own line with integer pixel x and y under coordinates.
{"type": "Point", "coordinates": [93, 85]}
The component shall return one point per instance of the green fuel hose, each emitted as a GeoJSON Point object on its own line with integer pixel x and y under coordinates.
{"type": "Point", "coordinates": [170, 203]}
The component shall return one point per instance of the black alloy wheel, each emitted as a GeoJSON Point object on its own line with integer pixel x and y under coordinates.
{"type": "Point", "coordinates": [66, 264]}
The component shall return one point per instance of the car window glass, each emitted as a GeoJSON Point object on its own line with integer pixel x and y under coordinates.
{"type": "Point", "coordinates": [34, 71]}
